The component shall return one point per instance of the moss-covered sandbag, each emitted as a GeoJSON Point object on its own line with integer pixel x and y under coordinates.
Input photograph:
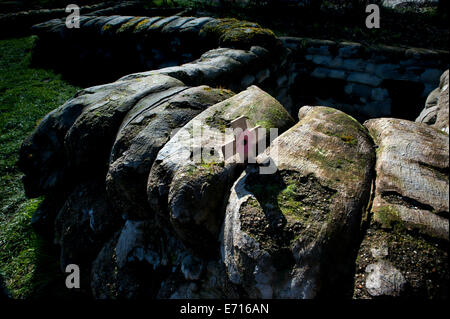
{"type": "Point", "coordinates": [102, 43]}
{"type": "Point", "coordinates": [88, 142]}
{"type": "Point", "coordinates": [412, 187]}
{"type": "Point", "coordinates": [294, 234]}
{"type": "Point", "coordinates": [144, 131]}
{"type": "Point", "coordinates": [191, 193]}
{"type": "Point", "coordinates": [230, 68]}
{"type": "Point", "coordinates": [404, 252]}
{"type": "Point", "coordinates": [233, 33]}
{"type": "Point", "coordinates": [43, 158]}
{"type": "Point", "coordinates": [436, 111]}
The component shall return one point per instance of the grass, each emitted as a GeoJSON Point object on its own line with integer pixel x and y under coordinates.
{"type": "Point", "coordinates": [26, 95]}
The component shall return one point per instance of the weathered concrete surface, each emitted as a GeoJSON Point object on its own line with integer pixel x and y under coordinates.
{"type": "Point", "coordinates": [294, 234]}
{"type": "Point", "coordinates": [146, 43]}
{"type": "Point", "coordinates": [405, 248]}
{"type": "Point", "coordinates": [124, 268]}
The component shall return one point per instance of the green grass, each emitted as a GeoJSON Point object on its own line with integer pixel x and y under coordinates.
{"type": "Point", "coordinates": [26, 95]}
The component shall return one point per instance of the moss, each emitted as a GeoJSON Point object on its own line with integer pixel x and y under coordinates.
{"type": "Point", "coordinates": [348, 139]}
{"type": "Point", "coordinates": [265, 229]}
{"type": "Point", "coordinates": [244, 37]}
{"type": "Point", "coordinates": [223, 25]}
{"type": "Point", "coordinates": [140, 25]}
{"type": "Point", "coordinates": [236, 33]}
{"type": "Point", "coordinates": [205, 168]}
{"type": "Point", "coordinates": [388, 217]}
{"type": "Point", "coordinates": [270, 117]}
{"type": "Point", "coordinates": [107, 27]}
{"type": "Point", "coordinates": [211, 165]}
{"type": "Point", "coordinates": [217, 121]}
{"type": "Point", "coordinates": [341, 159]}
{"type": "Point", "coordinates": [223, 92]}
{"type": "Point", "coordinates": [345, 128]}
{"type": "Point", "coordinates": [97, 113]}
{"type": "Point", "coordinates": [286, 208]}
{"type": "Point", "coordinates": [292, 208]}
{"type": "Point", "coordinates": [320, 157]}
{"type": "Point", "coordinates": [295, 196]}
{"type": "Point", "coordinates": [289, 190]}
{"type": "Point", "coordinates": [126, 26]}
{"type": "Point", "coordinates": [293, 201]}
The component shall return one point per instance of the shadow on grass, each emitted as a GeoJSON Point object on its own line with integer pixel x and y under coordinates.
{"type": "Point", "coordinates": [48, 281]}
{"type": "Point", "coordinates": [28, 263]}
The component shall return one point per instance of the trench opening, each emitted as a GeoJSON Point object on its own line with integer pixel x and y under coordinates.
{"type": "Point", "coordinates": [406, 96]}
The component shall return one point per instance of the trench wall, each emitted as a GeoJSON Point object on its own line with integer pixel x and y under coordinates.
{"type": "Point", "coordinates": [365, 81]}
{"type": "Point", "coordinates": [371, 81]}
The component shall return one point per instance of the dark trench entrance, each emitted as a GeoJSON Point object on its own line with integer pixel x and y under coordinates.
{"type": "Point", "coordinates": [406, 96]}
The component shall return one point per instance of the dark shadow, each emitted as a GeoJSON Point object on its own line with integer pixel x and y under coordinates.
{"type": "Point", "coordinates": [406, 96]}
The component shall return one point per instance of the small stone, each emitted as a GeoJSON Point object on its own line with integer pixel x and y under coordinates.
{"type": "Point", "coordinates": [191, 267]}
{"type": "Point", "coordinates": [379, 252]}
{"type": "Point", "coordinates": [384, 280]}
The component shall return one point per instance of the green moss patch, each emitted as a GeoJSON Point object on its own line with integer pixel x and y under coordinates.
{"type": "Point", "coordinates": [297, 197]}
{"type": "Point", "coordinates": [245, 37]}
{"type": "Point", "coordinates": [342, 158]}
{"type": "Point", "coordinates": [388, 217]}
{"type": "Point", "coordinates": [230, 32]}
{"type": "Point", "coordinates": [286, 208]}
{"type": "Point", "coordinates": [217, 121]}
{"type": "Point", "coordinates": [269, 231]}
{"type": "Point", "coordinates": [345, 127]}
{"type": "Point", "coordinates": [140, 26]}
{"type": "Point", "coordinates": [128, 25]}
